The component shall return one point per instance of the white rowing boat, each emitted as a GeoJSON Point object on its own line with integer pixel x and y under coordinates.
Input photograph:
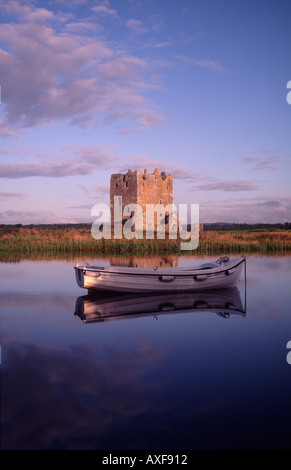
{"type": "Point", "coordinates": [222, 273]}
{"type": "Point", "coordinates": [100, 307]}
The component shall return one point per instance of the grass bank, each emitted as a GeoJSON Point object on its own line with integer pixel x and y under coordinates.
{"type": "Point", "coordinates": [66, 240]}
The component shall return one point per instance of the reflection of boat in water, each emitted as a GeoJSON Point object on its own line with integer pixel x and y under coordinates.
{"type": "Point", "coordinates": [222, 273]}
{"type": "Point", "coordinates": [103, 306]}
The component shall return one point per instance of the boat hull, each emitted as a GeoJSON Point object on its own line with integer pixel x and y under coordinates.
{"type": "Point", "coordinates": [109, 278]}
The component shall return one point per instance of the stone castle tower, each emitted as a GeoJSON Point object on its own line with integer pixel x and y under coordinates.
{"type": "Point", "coordinates": [140, 188]}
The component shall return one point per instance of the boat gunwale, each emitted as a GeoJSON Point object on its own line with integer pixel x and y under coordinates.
{"type": "Point", "coordinates": [148, 272]}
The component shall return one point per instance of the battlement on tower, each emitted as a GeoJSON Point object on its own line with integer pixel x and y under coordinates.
{"type": "Point", "coordinates": [140, 188]}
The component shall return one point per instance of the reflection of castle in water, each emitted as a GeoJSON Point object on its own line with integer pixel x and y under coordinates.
{"type": "Point", "coordinates": [168, 261]}
{"type": "Point", "coordinates": [106, 306]}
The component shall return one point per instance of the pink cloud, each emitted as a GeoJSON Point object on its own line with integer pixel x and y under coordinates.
{"type": "Point", "coordinates": [6, 195]}
{"type": "Point", "coordinates": [83, 160]}
{"type": "Point", "coordinates": [53, 74]}
{"type": "Point", "coordinates": [164, 44]}
{"type": "Point", "coordinates": [140, 162]}
{"type": "Point", "coordinates": [136, 26]}
{"type": "Point", "coordinates": [25, 170]}
{"type": "Point", "coordinates": [267, 209]}
{"type": "Point", "coordinates": [29, 217]}
{"type": "Point", "coordinates": [262, 160]}
{"type": "Point", "coordinates": [103, 8]}
{"type": "Point", "coordinates": [229, 186]}
{"type": "Point", "coordinates": [202, 63]}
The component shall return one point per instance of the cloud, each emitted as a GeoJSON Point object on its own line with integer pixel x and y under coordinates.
{"type": "Point", "coordinates": [95, 155]}
{"type": "Point", "coordinates": [164, 44]}
{"type": "Point", "coordinates": [262, 160]}
{"type": "Point", "coordinates": [209, 64]}
{"type": "Point", "coordinates": [183, 173]}
{"type": "Point", "coordinates": [136, 26]}
{"type": "Point", "coordinates": [202, 63]}
{"type": "Point", "coordinates": [6, 131]}
{"type": "Point", "coordinates": [83, 160]}
{"type": "Point", "coordinates": [6, 195]}
{"type": "Point", "coordinates": [271, 203]}
{"type": "Point", "coordinates": [45, 216]}
{"type": "Point", "coordinates": [110, 391]}
{"type": "Point", "coordinates": [103, 8]}
{"type": "Point", "coordinates": [82, 26]}
{"type": "Point", "coordinates": [96, 192]}
{"type": "Point", "coordinates": [28, 217]}
{"type": "Point", "coordinates": [103, 189]}
{"type": "Point", "coordinates": [229, 186]}
{"type": "Point", "coordinates": [140, 162]}
{"type": "Point", "coordinates": [93, 158]}
{"type": "Point", "coordinates": [259, 209]}
{"type": "Point", "coordinates": [14, 7]}
{"type": "Point", "coordinates": [24, 170]}
{"type": "Point", "coordinates": [54, 73]}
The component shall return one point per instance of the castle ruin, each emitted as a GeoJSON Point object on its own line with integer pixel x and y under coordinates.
{"type": "Point", "coordinates": [140, 188]}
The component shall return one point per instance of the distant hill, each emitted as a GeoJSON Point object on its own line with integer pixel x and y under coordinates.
{"type": "Point", "coordinates": [244, 226]}
{"type": "Point", "coordinates": [206, 226]}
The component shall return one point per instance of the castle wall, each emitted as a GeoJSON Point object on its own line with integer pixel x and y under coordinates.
{"type": "Point", "coordinates": [155, 189]}
{"type": "Point", "coordinates": [140, 188]}
{"type": "Point", "coordinates": [124, 185]}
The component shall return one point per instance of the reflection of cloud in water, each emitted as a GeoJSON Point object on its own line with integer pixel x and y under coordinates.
{"type": "Point", "coordinates": [56, 398]}
{"type": "Point", "coordinates": [36, 302]}
{"type": "Point", "coordinates": [263, 270]}
{"type": "Point", "coordinates": [259, 262]}
{"type": "Point", "coordinates": [79, 394]}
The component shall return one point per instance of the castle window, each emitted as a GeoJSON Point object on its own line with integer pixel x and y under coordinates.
{"type": "Point", "coordinates": [126, 184]}
{"type": "Point", "coordinates": [116, 185]}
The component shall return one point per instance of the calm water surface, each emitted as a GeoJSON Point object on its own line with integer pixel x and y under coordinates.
{"type": "Point", "coordinates": [183, 372]}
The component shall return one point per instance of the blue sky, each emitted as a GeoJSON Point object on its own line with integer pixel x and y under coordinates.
{"type": "Point", "coordinates": [195, 88]}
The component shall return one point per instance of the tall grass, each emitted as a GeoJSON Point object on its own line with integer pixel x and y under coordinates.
{"type": "Point", "coordinates": [62, 240]}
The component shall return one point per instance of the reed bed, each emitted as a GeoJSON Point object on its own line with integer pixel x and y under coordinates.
{"type": "Point", "coordinates": [66, 241]}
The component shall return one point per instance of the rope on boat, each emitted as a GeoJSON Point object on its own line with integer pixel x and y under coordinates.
{"type": "Point", "coordinates": [223, 259]}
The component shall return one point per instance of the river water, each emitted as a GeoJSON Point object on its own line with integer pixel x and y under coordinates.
{"type": "Point", "coordinates": [182, 372]}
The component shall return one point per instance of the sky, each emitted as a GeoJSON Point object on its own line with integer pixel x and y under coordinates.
{"type": "Point", "coordinates": [195, 88]}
